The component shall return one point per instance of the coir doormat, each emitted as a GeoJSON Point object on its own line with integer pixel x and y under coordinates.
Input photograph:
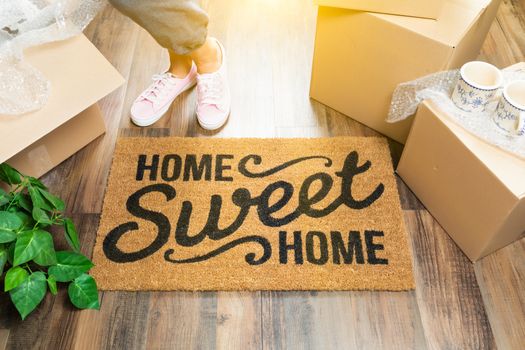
{"type": "Point", "coordinates": [252, 214]}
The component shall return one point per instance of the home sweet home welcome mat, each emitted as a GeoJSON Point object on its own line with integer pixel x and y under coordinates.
{"type": "Point", "coordinates": [252, 214]}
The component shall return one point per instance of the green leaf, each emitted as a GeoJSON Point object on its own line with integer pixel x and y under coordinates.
{"type": "Point", "coordinates": [38, 199]}
{"type": "Point", "coordinates": [46, 256]}
{"type": "Point", "coordinates": [56, 202]}
{"type": "Point", "coordinates": [29, 294]}
{"type": "Point", "coordinates": [83, 292]}
{"type": "Point", "coordinates": [27, 221]}
{"type": "Point", "coordinates": [52, 284]}
{"type": "Point", "coordinates": [24, 201]}
{"type": "Point", "coordinates": [14, 277]}
{"type": "Point", "coordinates": [70, 265]}
{"type": "Point", "coordinates": [3, 259]}
{"type": "Point", "coordinates": [41, 216]}
{"type": "Point", "coordinates": [9, 175]}
{"type": "Point", "coordinates": [6, 236]}
{"type": "Point", "coordinates": [4, 197]}
{"type": "Point", "coordinates": [26, 248]}
{"type": "Point", "coordinates": [71, 235]}
{"type": "Point", "coordinates": [11, 252]}
{"type": "Point", "coordinates": [36, 182]}
{"type": "Point", "coordinates": [9, 221]}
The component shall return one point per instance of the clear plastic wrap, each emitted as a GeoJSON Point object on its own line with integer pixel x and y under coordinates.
{"type": "Point", "coordinates": [438, 87]}
{"type": "Point", "coordinates": [25, 23]}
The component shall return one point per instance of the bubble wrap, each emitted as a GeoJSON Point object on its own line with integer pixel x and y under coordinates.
{"type": "Point", "coordinates": [25, 23]}
{"type": "Point", "coordinates": [438, 87]}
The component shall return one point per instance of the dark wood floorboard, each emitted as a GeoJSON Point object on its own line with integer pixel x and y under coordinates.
{"type": "Point", "coordinates": [447, 292]}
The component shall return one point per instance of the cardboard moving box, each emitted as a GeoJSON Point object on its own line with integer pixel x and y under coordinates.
{"type": "Point", "coordinates": [414, 8]}
{"type": "Point", "coordinates": [473, 189]}
{"type": "Point", "coordinates": [36, 142]}
{"type": "Point", "coordinates": [361, 57]}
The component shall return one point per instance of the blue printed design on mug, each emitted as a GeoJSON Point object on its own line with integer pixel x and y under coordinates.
{"type": "Point", "coordinates": [472, 99]}
{"type": "Point", "coordinates": [506, 115]}
{"type": "Point", "coordinates": [506, 118]}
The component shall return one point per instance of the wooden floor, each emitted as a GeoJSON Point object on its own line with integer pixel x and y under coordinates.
{"type": "Point", "coordinates": [456, 305]}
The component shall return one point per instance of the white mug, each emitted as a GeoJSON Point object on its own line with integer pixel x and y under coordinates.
{"type": "Point", "coordinates": [478, 85]}
{"type": "Point", "coordinates": [510, 113]}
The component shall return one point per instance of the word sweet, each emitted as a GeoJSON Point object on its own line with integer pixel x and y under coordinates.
{"type": "Point", "coordinates": [173, 167]}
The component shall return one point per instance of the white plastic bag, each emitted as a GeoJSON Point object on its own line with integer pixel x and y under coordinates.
{"type": "Point", "coordinates": [25, 23]}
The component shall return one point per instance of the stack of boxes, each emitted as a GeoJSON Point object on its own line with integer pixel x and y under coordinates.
{"type": "Point", "coordinates": [364, 49]}
{"type": "Point", "coordinates": [360, 57]}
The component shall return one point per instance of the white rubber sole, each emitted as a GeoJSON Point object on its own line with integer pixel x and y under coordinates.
{"type": "Point", "coordinates": [156, 117]}
{"type": "Point", "coordinates": [215, 126]}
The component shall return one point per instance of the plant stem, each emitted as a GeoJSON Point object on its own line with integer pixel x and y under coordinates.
{"type": "Point", "coordinates": [16, 194]}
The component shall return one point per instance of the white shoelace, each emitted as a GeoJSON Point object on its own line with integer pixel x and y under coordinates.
{"type": "Point", "coordinates": [210, 88]}
{"type": "Point", "coordinates": [157, 89]}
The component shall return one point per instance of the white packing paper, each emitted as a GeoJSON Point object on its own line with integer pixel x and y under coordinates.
{"type": "Point", "coordinates": [438, 87]}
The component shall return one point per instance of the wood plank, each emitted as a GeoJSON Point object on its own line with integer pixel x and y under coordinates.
{"type": "Point", "coordinates": [501, 277]}
{"type": "Point", "coordinates": [448, 296]}
{"type": "Point", "coordinates": [181, 320]}
{"type": "Point", "coordinates": [505, 44]}
{"type": "Point", "coordinates": [252, 81]}
{"type": "Point", "coordinates": [239, 320]}
{"type": "Point", "coordinates": [4, 334]}
{"type": "Point", "coordinates": [250, 71]}
{"type": "Point", "coordinates": [337, 320]}
{"type": "Point", "coordinates": [120, 323]}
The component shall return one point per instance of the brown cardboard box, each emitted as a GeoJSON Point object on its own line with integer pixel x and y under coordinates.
{"type": "Point", "coordinates": [361, 57]}
{"type": "Point", "coordinates": [414, 8]}
{"type": "Point", "coordinates": [473, 189]}
{"type": "Point", "coordinates": [36, 142]}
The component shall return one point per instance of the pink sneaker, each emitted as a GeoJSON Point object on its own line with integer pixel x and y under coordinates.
{"type": "Point", "coordinates": [213, 96]}
{"type": "Point", "coordinates": [151, 105]}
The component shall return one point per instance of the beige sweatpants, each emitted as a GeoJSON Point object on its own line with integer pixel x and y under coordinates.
{"type": "Point", "coordinates": [179, 25]}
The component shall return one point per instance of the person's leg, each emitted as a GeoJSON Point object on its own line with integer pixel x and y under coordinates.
{"type": "Point", "coordinates": [207, 57]}
{"type": "Point", "coordinates": [180, 65]}
{"type": "Point", "coordinates": [181, 27]}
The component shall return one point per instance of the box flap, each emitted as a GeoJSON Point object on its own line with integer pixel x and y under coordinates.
{"type": "Point", "coordinates": [509, 169]}
{"type": "Point", "coordinates": [456, 18]}
{"type": "Point", "coordinates": [415, 8]}
{"type": "Point", "coordinates": [79, 75]}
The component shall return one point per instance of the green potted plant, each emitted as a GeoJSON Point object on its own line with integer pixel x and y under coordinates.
{"type": "Point", "coordinates": [29, 264]}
